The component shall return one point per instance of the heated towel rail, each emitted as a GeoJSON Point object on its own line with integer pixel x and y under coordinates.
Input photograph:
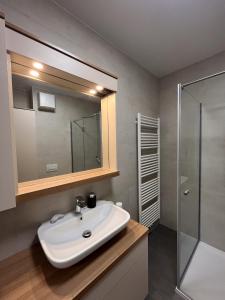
{"type": "Point", "coordinates": [148, 140]}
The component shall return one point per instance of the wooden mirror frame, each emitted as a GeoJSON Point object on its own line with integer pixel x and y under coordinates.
{"type": "Point", "coordinates": [12, 192]}
{"type": "Point", "coordinates": [109, 161]}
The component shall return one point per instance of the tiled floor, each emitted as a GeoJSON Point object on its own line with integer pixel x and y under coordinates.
{"type": "Point", "coordinates": [162, 264]}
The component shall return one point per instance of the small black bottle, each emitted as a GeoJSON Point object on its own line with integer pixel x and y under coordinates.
{"type": "Point", "coordinates": [91, 200]}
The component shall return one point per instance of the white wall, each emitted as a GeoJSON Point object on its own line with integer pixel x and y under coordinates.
{"type": "Point", "coordinates": [138, 91]}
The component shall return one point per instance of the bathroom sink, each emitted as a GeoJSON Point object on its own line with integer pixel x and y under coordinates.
{"type": "Point", "coordinates": [71, 239]}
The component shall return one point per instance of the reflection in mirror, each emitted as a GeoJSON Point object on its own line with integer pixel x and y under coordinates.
{"type": "Point", "coordinates": [57, 126]}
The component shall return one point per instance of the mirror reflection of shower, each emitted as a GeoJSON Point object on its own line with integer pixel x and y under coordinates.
{"type": "Point", "coordinates": [86, 142]}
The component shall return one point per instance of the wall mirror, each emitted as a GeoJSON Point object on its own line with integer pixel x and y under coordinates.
{"type": "Point", "coordinates": [57, 121]}
{"type": "Point", "coordinates": [61, 123]}
{"type": "Point", "coordinates": [57, 118]}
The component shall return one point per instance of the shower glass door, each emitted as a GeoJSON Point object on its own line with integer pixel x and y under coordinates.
{"type": "Point", "coordinates": [92, 142]}
{"type": "Point", "coordinates": [189, 119]}
{"type": "Point", "coordinates": [86, 143]}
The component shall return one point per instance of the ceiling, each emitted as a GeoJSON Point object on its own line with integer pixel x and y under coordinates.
{"type": "Point", "coordinates": [161, 35]}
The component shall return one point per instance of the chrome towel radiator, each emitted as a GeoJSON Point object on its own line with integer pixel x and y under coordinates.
{"type": "Point", "coordinates": [148, 140]}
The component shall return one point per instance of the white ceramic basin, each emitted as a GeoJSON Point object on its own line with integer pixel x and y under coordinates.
{"type": "Point", "coordinates": [63, 242]}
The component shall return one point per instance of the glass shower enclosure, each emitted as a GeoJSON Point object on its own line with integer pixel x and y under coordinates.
{"type": "Point", "coordinates": [201, 189]}
{"type": "Point", "coordinates": [86, 143]}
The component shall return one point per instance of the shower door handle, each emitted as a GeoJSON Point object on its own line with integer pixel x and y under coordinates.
{"type": "Point", "coordinates": [186, 192]}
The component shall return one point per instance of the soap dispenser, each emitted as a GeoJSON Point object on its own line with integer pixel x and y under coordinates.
{"type": "Point", "coordinates": [91, 200]}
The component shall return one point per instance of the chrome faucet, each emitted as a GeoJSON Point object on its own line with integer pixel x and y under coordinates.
{"type": "Point", "coordinates": [79, 204]}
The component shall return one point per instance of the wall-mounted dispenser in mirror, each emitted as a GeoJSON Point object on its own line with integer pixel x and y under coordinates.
{"type": "Point", "coordinates": [63, 117]}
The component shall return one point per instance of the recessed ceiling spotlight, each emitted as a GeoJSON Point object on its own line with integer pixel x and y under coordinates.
{"type": "Point", "coordinates": [92, 91]}
{"type": "Point", "coordinates": [99, 88]}
{"type": "Point", "coordinates": [34, 73]}
{"type": "Point", "coordinates": [38, 65]}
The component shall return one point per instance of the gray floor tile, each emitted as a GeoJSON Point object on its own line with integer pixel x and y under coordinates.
{"type": "Point", "coordinates": [162, 264]}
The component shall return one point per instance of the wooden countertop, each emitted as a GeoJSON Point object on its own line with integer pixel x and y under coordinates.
{"type": "Point", "coordinates": [28, 275]}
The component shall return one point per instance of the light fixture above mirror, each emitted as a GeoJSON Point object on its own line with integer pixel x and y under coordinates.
{"type": "Point", "coordinates": [38, 65]}
{"type": "Point", "coordinates": [25, 66]}
{"type": "Point", "coordinates": [99, 88]}
{"type": "Point", "coordinates": [34, 73]}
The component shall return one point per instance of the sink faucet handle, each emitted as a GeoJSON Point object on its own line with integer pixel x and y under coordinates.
{"type": "Point", "coordinates": [80, 201]}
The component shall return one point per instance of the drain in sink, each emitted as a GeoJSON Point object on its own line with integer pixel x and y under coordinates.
{"type": "Point", "coordinates": [86, 234]}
